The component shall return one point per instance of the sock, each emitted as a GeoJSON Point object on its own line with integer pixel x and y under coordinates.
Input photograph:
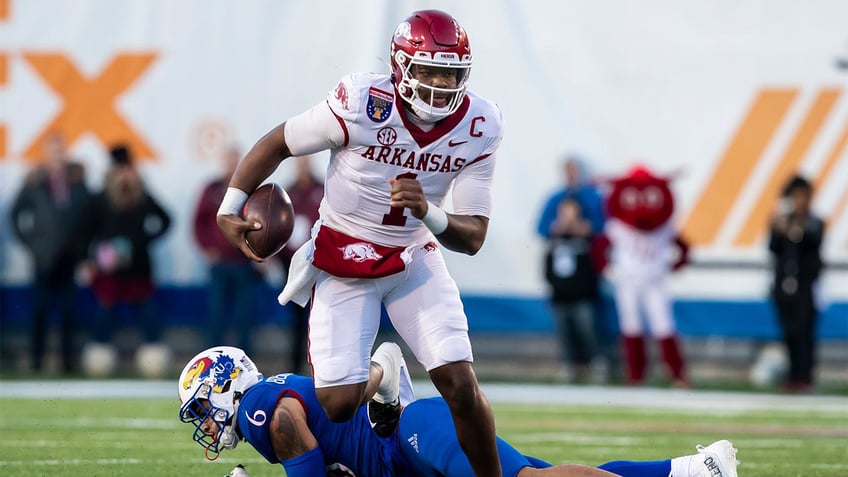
{"type": "Point", "coordinates": [626, 468]}
{"type": "Point", "coordinates": [383, 388]}
{"type": "Point", "coordinates": [672, 357]}
{"type": "Point", "coordinates": [687, 466]}
{"type": "Point", "coordinates": [634, 352]}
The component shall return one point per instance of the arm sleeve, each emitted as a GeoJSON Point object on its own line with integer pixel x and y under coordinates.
{"type": "Point", "coordinates": [310, 464]}
{"type": "Point", "coordinates": [472, 188]}
{"type": "Point", "coordinates": [325, 125]}
{"type": "Point", "coordinates": [316, 129]}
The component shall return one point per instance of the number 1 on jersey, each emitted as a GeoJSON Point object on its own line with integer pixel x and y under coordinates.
{"type": "Point", "coordinates": [395, 215]}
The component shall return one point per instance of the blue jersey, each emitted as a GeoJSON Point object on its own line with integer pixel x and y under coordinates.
{"type": "Point", "coordinates": [352, 443]}
{"type": "Point", "coordinates": [424, 445]}
{"type": "Point", "coordinates": [429, 447]}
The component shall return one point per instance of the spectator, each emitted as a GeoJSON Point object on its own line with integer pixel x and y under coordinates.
{"type": "Point", "coordinates": [118, 229]}
{"type": "Point", "coordinates": [574, 288]}
{"type": "Point", "coordinates": [578, 188]}
{"type": "Point", "coordinates": [306, 193]}
{"type": "Point", "coordinates": [796, 237]}
{"type": "Point", "coordinates": [232, 276]}
{"type": "Point", "coordinates": [44, 216]}
{"type": "Point", "coordinates": [645, 247]}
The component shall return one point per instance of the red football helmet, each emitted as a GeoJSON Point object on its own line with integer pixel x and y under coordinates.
{"type": "Point", "coordinates": [434, 39]}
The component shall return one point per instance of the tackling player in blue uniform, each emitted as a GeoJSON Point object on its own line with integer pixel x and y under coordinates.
{"type": "Point", "coordinates": [227, 399]}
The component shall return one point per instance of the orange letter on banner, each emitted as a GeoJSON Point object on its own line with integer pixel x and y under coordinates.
{"type": "Point", "coordinates": [753, 136]}
{"type": "Point", "coordinates": [90, 103]}
{"type": "Point", "coordinates": [757, 222]}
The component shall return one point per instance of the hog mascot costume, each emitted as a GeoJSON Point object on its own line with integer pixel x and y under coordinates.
{"type": "Point", "coordinates": [644, 249]}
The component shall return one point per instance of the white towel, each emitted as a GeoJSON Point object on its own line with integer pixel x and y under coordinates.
{"type": "Point", "coordinates": [301, 277]}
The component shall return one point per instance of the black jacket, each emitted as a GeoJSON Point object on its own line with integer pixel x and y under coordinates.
{"type": "Point", "coordinates": [47, 227]}
{"type": "Point", "coordinates": [797, 262]}
{"type": "Point", "coordinates": [569, 269]}
{"type": "Point", "coordinates": [129, 231]}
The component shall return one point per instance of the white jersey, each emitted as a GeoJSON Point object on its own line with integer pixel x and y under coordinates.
{"type": "Point", "coordinates": [372, 139]}
{"type": "Point", "coordinates": [637, 253]}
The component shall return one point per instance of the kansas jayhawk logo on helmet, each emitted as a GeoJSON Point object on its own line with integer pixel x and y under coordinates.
{"type": "Point", "coordinates": [221, 370]}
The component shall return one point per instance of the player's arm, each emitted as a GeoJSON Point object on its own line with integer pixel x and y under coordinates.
{"type": "Point", "coordinates": [314, 130]}
{"type": "Point", "coordinates": [259, 163]}
{"type": "Point", "coordinates": [460, 233]}
{"type": "Point", "coordinates": [465, 230]}
{"type": "Point", "coordinates": [293, 442]}
{"type": "Point", "coordinates": [465, 233]}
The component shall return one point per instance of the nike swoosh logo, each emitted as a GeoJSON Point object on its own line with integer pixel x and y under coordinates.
{"type": "Point", "coordinates": [452, 144]}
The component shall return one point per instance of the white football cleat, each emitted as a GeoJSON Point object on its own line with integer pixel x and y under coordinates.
{"type": "Point", "coordinates": [719, 459]}
{"type": "Point", "coordinates": [238, 471]}
{"type": "Point", "coordinates": [390, 358]}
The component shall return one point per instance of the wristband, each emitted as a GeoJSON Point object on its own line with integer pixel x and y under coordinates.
{"type": "Point", "coordinates": [233, 202]}
{"type": "Point", "coordinates": [435, 219]}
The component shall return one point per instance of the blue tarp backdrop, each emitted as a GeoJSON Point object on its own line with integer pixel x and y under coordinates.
{"type": "Point", "coordinates": [181, 306]}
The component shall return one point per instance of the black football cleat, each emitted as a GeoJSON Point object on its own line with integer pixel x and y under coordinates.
{"type": "Point", "coordinates": [384, 417]}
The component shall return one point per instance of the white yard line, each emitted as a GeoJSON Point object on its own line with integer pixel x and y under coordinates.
{"type": "Point", "coordinates": [553, 394]}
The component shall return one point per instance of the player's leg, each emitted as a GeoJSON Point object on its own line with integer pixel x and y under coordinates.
{"type": "Point", "coordinates": [572, 470]}
{"type": "Point", "coordinates": [428, 443]}
{"type": "Point", "coordinates": [472, 416]}
{"type": "Point", "coordinates": [343, 324]}
{"type": "Point", "coordinates": [716, 460]}
{"type": "Point", "coordinates": [387, 369]}
{"type": "Point", "coordinates": [426, 310]}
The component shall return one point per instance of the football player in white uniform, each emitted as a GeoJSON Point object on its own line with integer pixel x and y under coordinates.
{"type": "Point", "coordinates": [398, 144]}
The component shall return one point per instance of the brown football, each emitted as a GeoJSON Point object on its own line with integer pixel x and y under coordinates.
{"type": "Point", "coordinates": [271, 206]}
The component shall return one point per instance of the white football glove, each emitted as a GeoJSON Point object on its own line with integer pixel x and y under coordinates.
{"type": "Point", "coordinates": [238, 471]}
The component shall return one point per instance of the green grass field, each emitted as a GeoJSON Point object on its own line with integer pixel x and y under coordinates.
{"type": "Point", "coordinates": [132, 437]}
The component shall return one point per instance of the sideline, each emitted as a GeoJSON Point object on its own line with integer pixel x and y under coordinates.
{"type": "Point", "coordinates": [501, 393]}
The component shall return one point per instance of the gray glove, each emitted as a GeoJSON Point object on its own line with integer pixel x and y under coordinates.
{"type": "Point", "coordinates": [339, 470]}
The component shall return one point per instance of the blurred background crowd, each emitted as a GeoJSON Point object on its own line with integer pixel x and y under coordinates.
{"type": "Point", "coordinates": [668, 210]}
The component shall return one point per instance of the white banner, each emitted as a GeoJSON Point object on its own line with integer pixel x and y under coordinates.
{"type": "Point", "coordinates": [734, 96]}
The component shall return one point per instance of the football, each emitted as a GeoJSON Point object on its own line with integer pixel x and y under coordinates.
{"type": "Point", "coordinates": [271, 206]}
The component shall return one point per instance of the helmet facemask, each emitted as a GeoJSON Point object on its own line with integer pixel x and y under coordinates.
{"type": "Point", "coordinates": [202, 411]}
{"type": "Point", "coordinates": [422, 97]}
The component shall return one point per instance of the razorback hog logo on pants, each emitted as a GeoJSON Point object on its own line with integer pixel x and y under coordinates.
{"type": "Point", "coordinates": [359, 252]}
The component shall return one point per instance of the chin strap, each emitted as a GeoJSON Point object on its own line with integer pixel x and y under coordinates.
{"type": "Point", "coordinates": [229, 436]}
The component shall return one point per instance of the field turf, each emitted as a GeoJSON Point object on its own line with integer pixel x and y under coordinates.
{"type": "Point", "coordinates": [133, 437]}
